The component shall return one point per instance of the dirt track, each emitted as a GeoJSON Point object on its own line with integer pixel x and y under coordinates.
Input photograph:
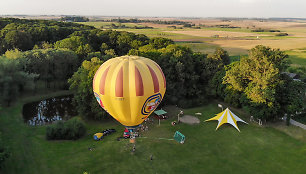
{"type": "Point", "coordinates": [188, 119]}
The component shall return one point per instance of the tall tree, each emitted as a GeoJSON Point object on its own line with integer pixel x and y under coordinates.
{"type": "Point", "coordinates": [258, 75]}
{"type": "Point", "coordinates": [81, 84]}
{"type": "Point", "coordinates": [263, 88]}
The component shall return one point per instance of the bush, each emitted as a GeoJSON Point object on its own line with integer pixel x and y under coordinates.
{"type": "Point", "coordinates": [282, 34]}
{"type": "Point", "coordinates": [264, 30]}
{"type": "Point", "coordinates": [69, 130]}
{"type": "Point", "coordinates": [257, 30]}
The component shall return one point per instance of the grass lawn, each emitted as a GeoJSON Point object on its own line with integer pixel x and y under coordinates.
{"type": "Point", "coordinates": [298, 58]}
{"type": "Point", "coordinates": [254, 150]}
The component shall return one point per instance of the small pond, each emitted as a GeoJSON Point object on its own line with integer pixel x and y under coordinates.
{"type": "Point", "coordinates": [49, 110]}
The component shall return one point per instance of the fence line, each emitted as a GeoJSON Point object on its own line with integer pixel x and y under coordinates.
{"type": "Point", "coordinates": [295, 123]}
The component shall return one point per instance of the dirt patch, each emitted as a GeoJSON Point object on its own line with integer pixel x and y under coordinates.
{"type": "Point", "coordinates": [188, 119]}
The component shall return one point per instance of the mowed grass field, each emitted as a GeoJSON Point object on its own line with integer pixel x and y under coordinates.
{"type": "Point", "coordinates": [297, 58]}
{"type": "Point", "coordinates": [237, 41]}
{"type": "Point", "coordinates": [254, 150]}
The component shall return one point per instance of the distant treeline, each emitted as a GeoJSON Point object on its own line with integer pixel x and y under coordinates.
{"type": "Point", "coordinates": [260, 19]}
{"type": "Point", "coordinates": [270, 30]}
{"type": "Point", "coordinates": [74, 19]}
{"type": "Point", "coordinates": [135, 20]}
{"type": "Point", "coordinates": [264, 30]}
{"type": "Point", "coordinates": [286, 19]}
{"type": "Point", "coordinates": [219, 26]}
{"type": "Point", "coordinates": [120, 26]}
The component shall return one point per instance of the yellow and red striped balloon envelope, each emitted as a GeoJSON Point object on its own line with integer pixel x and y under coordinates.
{"type": "Point", "coordinates": [129, 88]}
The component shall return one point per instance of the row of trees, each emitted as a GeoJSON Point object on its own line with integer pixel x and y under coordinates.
{"type": "Point", "coordinates": [135, 20]}
{"type": "Point", "coordinates": [74, 19]}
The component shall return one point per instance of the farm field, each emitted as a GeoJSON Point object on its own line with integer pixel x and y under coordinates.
{"type": "Point", "coordinates": [254, 150]}
{"type": "Point", "coordinates": [237, 41]}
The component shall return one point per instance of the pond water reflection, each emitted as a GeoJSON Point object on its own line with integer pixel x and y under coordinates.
{"type": "Point", "coordinates": [49, 110]}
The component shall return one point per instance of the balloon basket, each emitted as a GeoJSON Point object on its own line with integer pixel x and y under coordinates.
{"type": "Point", "coordinates": [132, 128]}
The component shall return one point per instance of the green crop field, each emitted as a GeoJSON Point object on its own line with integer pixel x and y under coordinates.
{"type": "Point", "coordinates": [254, 150]}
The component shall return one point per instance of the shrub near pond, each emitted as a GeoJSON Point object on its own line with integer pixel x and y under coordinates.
{"type": "Point", "coordinates": [70, 130]}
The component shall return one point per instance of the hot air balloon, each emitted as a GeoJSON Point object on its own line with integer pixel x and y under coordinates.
{"type": "Point", "coordinates": [129, 88]}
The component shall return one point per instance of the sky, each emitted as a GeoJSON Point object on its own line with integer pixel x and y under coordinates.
{"type": "Point", "coordinates": [158, 8]}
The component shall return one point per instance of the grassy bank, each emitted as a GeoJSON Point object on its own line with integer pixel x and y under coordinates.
{"type": "Point", "coordinates": [254, 150]}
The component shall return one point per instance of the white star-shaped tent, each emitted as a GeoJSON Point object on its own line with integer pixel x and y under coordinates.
{"type": "Point", "coordinates": [227, 117]}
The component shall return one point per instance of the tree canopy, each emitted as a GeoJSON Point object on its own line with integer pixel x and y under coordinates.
{"type": "Point", "coordinates": [258, 83]}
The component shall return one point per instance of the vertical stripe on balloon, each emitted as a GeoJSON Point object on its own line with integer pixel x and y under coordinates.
{"type": "Point", "coordinates": [119, 83]}
{"type": "Point", "coordinates": [93, 82]}
{"type": "Point", "coordinates": [102, 82]}
{"type": "Point", "coordinates": [155, 79]}
{"type": "Point", "coordinates": [162, 74]}
{"type": "Point", "coordinates": [138, 83]}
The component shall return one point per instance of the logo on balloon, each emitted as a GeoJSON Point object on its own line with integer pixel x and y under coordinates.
{"type": "Point", "coordinates": [151, 103]}
{"type": "Point", "coordinates": [99, 100]}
